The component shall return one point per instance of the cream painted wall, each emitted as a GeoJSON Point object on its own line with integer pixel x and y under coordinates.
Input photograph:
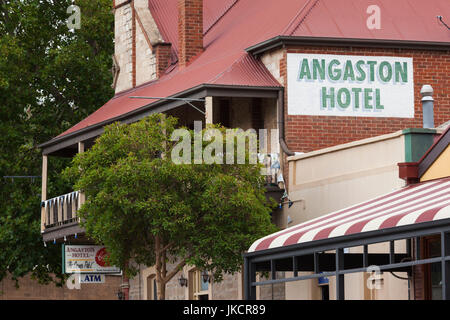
{"type": "Point", "coordinates": [302, 290]}
{"type": "Point", "coordinates": [334, 178]}
{"type": "Point", "coordinates": [331, 179]}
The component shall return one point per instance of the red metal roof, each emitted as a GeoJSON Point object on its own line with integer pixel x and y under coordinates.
{"type": "Point", "coordinates": [423, 202]}
{"type": "Point", "coordinates": [412, 20]}
{"type": "Point", "coordinates": [165, 13]}
{"type": "Point", "coordinates": [232, 26]}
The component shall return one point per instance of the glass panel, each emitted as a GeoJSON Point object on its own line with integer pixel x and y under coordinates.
{"type": "Point", "coordinates": [435, 270]}
{"type": "Point", "coordinates": [436, 281]}
{"type": "Point", "coordinates": [435, 248]}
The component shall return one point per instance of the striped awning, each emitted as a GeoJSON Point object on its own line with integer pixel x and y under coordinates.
{"type": "Point", "coordinates": [418, 203]}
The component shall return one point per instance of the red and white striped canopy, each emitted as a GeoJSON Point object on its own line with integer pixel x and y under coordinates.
{"type": "Point", "coordinates": [423, 202]}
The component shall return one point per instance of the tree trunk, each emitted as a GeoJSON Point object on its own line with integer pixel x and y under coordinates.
{"type": "Point", "coordinates": [162, 277]}
{"type": "Point", "coordinates": [160, 281]}
{"type": "Point", "coordinates": [161, 290]}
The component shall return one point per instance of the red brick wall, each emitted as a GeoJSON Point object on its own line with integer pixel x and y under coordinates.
{"type": "Point", "coordinates": [190, 30]}
{"type": "Point", "coordinates": [307, 133]}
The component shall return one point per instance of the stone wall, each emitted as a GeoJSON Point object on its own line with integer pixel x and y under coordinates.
{"type": "Point", "coordinates": [123, 39]}
{"type": "Point", "coordinates": [136, 33]}
{"type": "Point", "coordinates": [230, 288]}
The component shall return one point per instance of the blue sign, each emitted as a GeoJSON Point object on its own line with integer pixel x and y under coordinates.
{"type": "Point", "coordinates": [323, 281]}
{"type": "Point", "coordinates": [92, 278]}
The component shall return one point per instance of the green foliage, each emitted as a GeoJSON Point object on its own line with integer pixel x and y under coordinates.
{"type": "Point", "coordinates": [50, 79]}
{"type": "Point", "coordinates": [139, 202]}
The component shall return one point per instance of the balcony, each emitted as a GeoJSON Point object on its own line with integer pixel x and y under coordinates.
{"type": "Point", "coordinates": [59, 217]}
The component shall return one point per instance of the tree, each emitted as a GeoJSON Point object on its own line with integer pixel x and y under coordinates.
{"type": "Point", "coordinates": [147, 209]}
{"type": "Point", "coordinates": [50, 79]}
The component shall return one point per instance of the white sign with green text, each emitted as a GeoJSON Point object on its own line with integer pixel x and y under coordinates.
{"type": "Point", "coordinates": [341, 85]}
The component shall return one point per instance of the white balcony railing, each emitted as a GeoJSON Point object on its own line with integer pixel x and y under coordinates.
{"type": "Point", "coordinates": [61, 210]}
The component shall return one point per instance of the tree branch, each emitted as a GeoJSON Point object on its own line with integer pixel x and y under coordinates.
{"type": "Point", "coordinates": [175, 270]}
{"type": "Point", "coordinates": [167, 246]}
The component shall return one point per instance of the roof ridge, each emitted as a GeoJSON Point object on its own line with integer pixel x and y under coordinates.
{"type": "Point", "coordinates": [220, 17]}
{"type": "Point", "coordinates": [291, 25]}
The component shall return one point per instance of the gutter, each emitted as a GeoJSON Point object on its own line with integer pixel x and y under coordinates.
{"type": "Point", "coordinates": [281, 41]}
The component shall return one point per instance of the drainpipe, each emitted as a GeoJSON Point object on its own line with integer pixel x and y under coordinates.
{"type": "Point", "coordinates": [427, 106]}
{"type": "Point", "coordinates": [280, 104]}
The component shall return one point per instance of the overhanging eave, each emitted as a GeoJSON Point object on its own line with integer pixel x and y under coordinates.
{"type": "Point", "coordinates": [61, 145]}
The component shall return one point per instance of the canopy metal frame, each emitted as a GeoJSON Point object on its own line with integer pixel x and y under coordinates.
{"type": "Point", "coordinates": [300, 255]}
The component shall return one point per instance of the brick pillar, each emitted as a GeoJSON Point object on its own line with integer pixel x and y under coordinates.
{"type": "Point", "coordinates": [190, 30]}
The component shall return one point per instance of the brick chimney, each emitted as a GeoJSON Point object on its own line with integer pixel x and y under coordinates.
{"type": "Point", "coordinates": [190, 30]}
{"type": "Point", "coordinates": [163, 57]}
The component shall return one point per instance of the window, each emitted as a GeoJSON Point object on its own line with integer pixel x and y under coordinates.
{"type": "Point", "coordinates": [257, 114]}
{"type": "Point", "coordinates": [433, 271]}
{"type": "Point", "coordinates": [224, 109]}
{"type": "Point", "coordinates": [198, 289]}
{"type": "Point", "coordinates": [152, 292]}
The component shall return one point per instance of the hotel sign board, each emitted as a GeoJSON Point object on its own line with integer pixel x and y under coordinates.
{"type": "Point", "coordinates": [344, 85]}
{"type": "Point", "coordinates": [86, 259]}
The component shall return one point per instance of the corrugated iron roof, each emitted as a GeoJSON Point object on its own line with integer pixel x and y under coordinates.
{"type": "Point", "coordinates": [214, 10]}
{"type": "Point", "coordinates": [232, 26]}
{"type": "Point", "coordinates": [165, 13]}
{"type": "Point", "coordinates": [400, 20]}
